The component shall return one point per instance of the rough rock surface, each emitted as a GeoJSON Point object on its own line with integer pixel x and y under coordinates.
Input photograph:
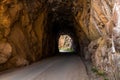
{"type": "Point", "coordinates": [105, 49]}
{"type": "Point", "coordinates": [5, 52]}
{"type": "Point", "coordinates": [19, 31]}
{"type": "Point", "coordinates": [65, 42]}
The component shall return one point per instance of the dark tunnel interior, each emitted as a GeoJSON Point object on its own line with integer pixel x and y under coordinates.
{"type": "Point", "coordinates": [61, 21]}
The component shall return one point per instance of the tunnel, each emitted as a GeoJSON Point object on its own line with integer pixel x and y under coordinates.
{"type": "Point", "coordinates": [60, 20]}
{"type": "Point", "coordinates": [30, 31]}
{"type": "Point", "coordinates": [33, 31]}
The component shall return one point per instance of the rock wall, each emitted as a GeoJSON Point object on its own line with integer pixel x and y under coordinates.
{"type": "Point", "coordinates": [104, 31]}
{"type": "Point", "coordinates": [21, 32]}
{"type": "Point", "coordinates": [99, 20]}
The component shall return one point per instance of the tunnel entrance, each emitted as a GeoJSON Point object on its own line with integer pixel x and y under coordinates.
{"type": "Point", "coordinates": [61, 21]}
{"type": "Point", "coordinates": [65, 44]}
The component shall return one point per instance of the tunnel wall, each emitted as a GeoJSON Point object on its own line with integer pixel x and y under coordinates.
{"type": "Point", "coordinates": [105, 55]}
{"type": "Point", "coordinates": [21, 32]}
{"type": "Point", "coordinates": [99, 19]}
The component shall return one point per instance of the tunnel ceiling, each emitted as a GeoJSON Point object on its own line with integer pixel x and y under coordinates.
{"type": "Point", "coordinates": [61, 16]}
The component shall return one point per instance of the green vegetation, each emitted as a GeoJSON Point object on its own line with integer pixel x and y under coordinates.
{"type": "Point", "coordinates": [67, 49]}
{"type": "Point", "coordinates": [99, 73]}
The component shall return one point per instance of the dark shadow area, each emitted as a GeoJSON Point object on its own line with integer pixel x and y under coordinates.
{"type": "Point", "coordinates": [61, 21]}
{"type": "Point", "coordinates": [66, 53]}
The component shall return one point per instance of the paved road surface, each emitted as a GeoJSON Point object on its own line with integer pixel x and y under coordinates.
{"type": "Point", "coordinates": [55, 68]}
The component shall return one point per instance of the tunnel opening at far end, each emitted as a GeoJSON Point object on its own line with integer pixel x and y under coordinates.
{"type": "Point", "coordinates": [65, 44]}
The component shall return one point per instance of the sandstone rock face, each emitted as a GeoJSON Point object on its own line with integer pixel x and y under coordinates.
{"type": "Point", "coordinates": [20, 32]}
{"type": "Point", "coordinates": [99, 20]}
{"type": "Point", "coordinates": [105, 50]}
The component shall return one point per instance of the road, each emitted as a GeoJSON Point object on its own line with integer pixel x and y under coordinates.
{"type": "Point", "coordinates": [56, 68]}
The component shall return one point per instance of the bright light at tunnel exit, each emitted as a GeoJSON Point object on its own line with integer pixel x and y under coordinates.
{"type": "Point", "coordinates": [65, 44]}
